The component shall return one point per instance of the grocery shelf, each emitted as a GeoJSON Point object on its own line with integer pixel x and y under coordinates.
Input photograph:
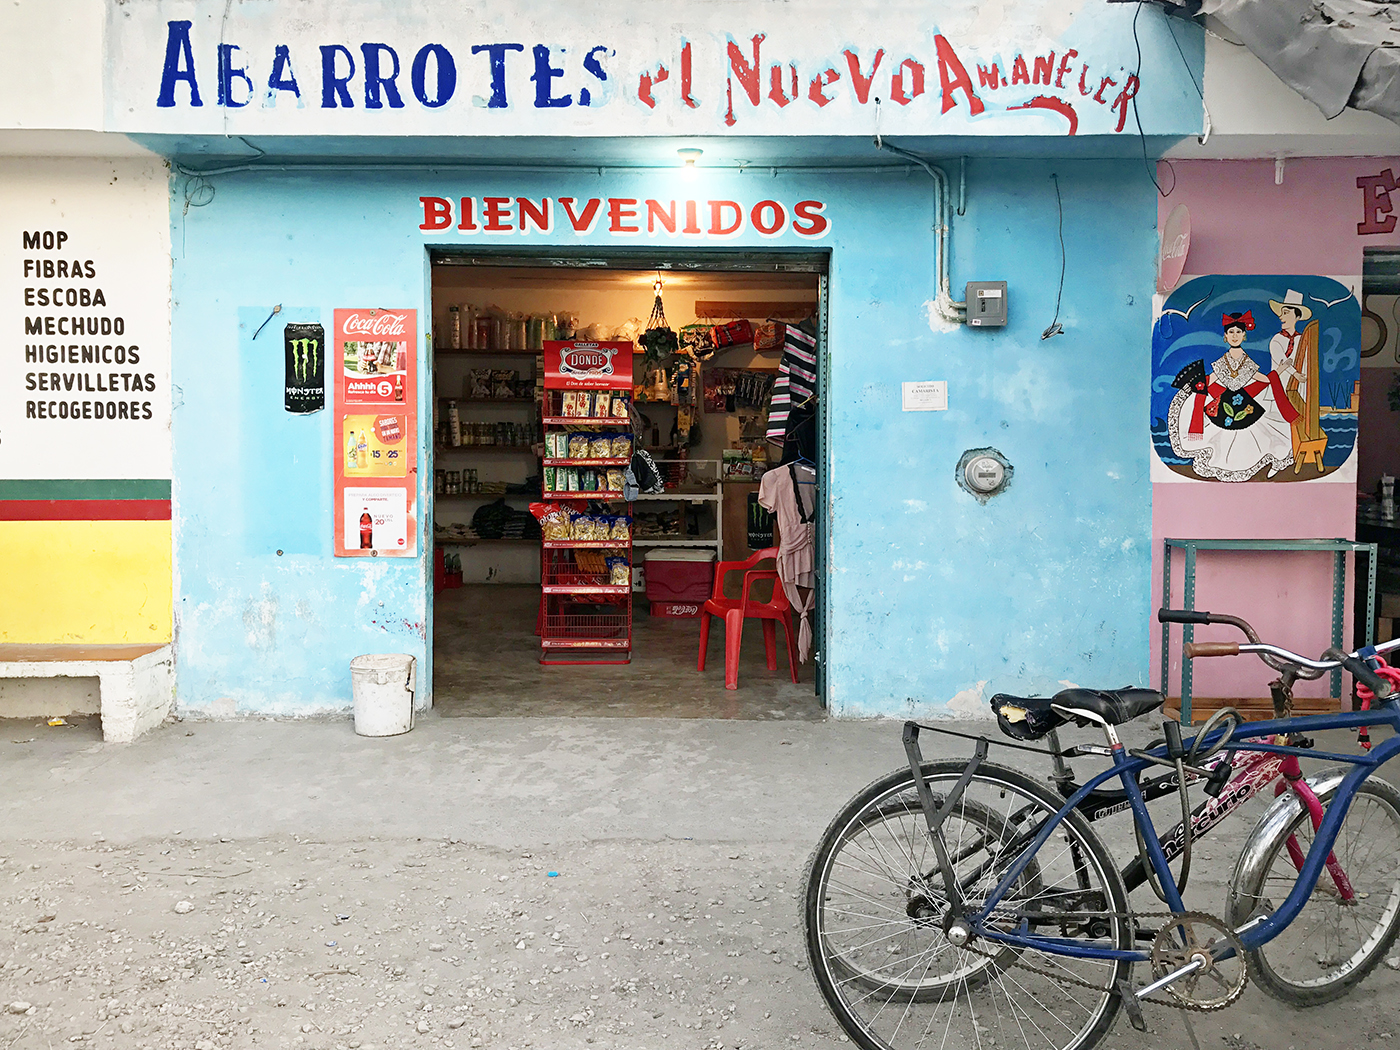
{"type": "Point", "coordinates": [444, 352]}
{"type": "Point", "coordinates": [598, 545]}
{"type": "Point", "coordinates": [609, 462]}
{"type": "Point", "coordinates": [584, 495]}
{"type": "Point", "coordinates": [485, 448]}
{"type": "Point", "coordinates": [589, 421]}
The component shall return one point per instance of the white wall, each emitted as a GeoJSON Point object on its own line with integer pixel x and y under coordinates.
{"type": "Point", "coordinates": [1254, 114]}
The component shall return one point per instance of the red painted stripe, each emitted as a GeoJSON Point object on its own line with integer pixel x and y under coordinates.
{"type": "Point", "coordinates": [85, 510]}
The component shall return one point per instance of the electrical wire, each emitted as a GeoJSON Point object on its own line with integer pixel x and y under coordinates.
{"type": "Point", "coordinates": [1137, 116]}
{"type": "Point", "coordinates": [1055, 328]}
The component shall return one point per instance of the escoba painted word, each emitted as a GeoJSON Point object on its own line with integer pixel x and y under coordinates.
{"type": "Point", "coordinates": [375, 76]}
{"type": "Point", "coordinates": [622, 216]}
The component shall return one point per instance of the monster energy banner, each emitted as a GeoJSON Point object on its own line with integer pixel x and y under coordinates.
{"type": "Point", "coordinates": [760, 525]}
{"type": "Point", "coordinates": [306, 367]}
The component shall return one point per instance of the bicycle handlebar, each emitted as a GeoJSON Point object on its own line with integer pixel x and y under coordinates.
{"type": "Point", "coordinates": [1195, 649]}
{"type": "Point", "coordinates": [1183, 616]}
{"type": "Point", "coordinates": [1274, 655]}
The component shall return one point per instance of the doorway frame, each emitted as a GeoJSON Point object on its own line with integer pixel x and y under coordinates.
{"type": "Point", "coordinates": [594, 259]}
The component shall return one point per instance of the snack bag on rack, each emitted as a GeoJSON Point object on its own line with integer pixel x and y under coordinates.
{"type": "Point", "coordinates": [619, 572]}
{"type": "Point", "coordinates": [620, 404]}
{"type": "Point", "coordinates": [620, 447]}
{"type": "Point", "coordinates": [621, 528]}
{"type": "Point", "coordinates": [602, 403]}
{"type": "Point", "coordinates": [549, 478]}
{"type": "Point", "coordinates": [599, 446]}
{"type": "Point", "coordinates": [733, 334]}
{"type": "Point", "coordinates": [578, 446]}
{"type": "Point", "coordinates": [616, 477]}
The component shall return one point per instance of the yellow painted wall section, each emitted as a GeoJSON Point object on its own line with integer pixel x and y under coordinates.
{"type": "Point", "coordinates": [98, 582]}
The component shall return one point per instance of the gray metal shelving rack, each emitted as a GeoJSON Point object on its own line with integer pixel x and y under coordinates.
{"type": "Point", "coordinates": [1338, 548]}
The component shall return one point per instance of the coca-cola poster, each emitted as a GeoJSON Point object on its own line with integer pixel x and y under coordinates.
{"type": "Point", "coordinates": [305, 352]}
{"type": "Point", "coordinates": [376, 432]}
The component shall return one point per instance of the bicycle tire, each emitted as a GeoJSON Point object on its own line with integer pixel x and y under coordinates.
{"type": "Point", "coordinates": [925, 990]}
{"type": "Point", "coordinates": [873, 1011]}
{"type": "Point", "coordinates": [1277, 966]}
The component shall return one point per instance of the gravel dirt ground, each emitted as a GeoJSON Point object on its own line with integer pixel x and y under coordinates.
{"type": "Point", "coordinates": [478, 883]}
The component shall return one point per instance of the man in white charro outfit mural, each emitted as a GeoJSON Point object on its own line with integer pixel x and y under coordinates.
{"type": "Point", "coordinates": [1294, 355]}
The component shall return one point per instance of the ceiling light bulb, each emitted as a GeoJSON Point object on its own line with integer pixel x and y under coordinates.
{"type": "Point", "coordinates": [690, 156]}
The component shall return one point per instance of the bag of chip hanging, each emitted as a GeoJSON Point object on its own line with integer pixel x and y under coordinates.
{"type": "Point", "coordinates": [619, 572]}
{"type": "Point", "coordinates": [735, 333]}
{"type": "Point", "coordinates": [768, 335]}
{"type": "Point", "coordinates": [698, 340]}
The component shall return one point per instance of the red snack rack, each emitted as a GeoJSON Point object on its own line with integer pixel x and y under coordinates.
{"type": "Point", "coordinates": [585, 611]}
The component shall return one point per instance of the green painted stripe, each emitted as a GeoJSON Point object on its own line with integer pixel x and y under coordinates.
{"type": "Point", "coordinates": [79, 489]}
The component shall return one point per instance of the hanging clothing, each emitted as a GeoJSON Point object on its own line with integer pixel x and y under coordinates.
{"type": "Point", "coordinates": [790, 493]}
{"type": "Point", "coordinates": [796, 382]}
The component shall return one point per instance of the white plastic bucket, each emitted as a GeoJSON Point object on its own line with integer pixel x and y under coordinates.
{"type": "Point", "coordinates": [383, 684]}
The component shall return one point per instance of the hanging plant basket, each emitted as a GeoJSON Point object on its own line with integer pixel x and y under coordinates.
{"type": "Point", "coordinates": [659, 340]}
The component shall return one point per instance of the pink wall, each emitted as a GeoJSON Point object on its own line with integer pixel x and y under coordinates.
{"type": "Point", "coordinates": [1242, 223]}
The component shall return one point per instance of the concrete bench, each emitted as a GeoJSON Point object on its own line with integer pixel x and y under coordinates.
{"type": "Point", "coordinates": [136, 682]}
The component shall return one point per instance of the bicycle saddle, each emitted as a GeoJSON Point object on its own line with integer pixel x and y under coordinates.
{"type": "Point", "coordinates": [1031, 717]}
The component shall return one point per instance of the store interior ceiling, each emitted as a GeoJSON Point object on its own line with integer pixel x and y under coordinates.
{"type": "Point", "coordinates": [486, 655]}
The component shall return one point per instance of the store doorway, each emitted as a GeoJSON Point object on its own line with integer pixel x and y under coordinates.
{"type": "Point", "coordinates": [702, 413]}
{"type": "Point", "coordinates": [1378, 437]}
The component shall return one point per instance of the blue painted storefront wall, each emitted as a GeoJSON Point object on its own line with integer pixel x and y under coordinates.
{"type": "Point", "coordinates": [932, 596]}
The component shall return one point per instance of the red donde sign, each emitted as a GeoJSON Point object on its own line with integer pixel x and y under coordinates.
{"type": "Point", "coordinates": [585, 366]}
{"type": "Point", "coordinates": [378, 326]}
{"type": "Point", "coordinates": [624, 216]}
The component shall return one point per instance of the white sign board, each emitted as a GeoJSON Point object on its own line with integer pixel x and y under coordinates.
{"type": "Point", "coordinates": [85, 305]}
{"type": "Point", "coordinates": [433, 67]}
{"type": "Point", "coordinates": [928, 396]}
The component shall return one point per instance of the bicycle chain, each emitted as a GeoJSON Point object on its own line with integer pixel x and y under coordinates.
{"type": "Point", "coordinates": [1130, 916]}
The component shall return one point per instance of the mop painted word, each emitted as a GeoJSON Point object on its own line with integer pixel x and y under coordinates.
{"type": "Point", "coordinates": [622, 216]}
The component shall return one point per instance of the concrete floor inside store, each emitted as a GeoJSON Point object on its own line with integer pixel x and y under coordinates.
{"type": "Point", "coordinates": [486, 664]}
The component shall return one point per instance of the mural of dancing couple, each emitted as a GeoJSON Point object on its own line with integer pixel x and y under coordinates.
{"type": "Point", "coordinates": [1256, 378]}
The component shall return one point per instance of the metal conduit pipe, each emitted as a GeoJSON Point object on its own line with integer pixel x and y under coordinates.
{"type": "Point", "coordinates": [944, 304]}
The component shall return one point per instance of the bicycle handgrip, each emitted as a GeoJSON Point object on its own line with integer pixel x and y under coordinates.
{"type": "Point", "coordinates": [1195, 649]}
{"type": "Point", "coordinates": [1182, 616]}
{"type": "Point", "coordinates": [1367, 677]}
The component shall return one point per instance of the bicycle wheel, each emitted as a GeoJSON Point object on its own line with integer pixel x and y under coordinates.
{"type": "Point", "coordinates": [875, 908]}
{"type": "Point", "coordinates": [1333, 943]}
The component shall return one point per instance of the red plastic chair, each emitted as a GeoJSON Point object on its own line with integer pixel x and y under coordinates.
{"type": "Point", "coordinates": [736, 611]}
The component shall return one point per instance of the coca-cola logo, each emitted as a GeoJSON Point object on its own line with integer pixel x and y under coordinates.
{"type": "Point", "coordinates": [380, 324]}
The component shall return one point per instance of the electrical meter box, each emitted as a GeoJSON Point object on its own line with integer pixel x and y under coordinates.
{"type": "Point", "coordinates": [986, 304]}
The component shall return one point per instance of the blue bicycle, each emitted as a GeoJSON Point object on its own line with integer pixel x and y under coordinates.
{"type": "Point", "coordinates": [967, 904]}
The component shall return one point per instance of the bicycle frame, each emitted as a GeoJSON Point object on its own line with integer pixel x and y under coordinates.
{"type": "Point", "coordinates": [1127, 769]}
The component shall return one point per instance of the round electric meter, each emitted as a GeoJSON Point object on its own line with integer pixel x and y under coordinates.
{"type": "Point", "coordinates": [984, 474]}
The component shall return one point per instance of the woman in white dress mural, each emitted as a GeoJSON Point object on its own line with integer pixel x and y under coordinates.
{"type": "Point", "coordinates": [1236, 421]}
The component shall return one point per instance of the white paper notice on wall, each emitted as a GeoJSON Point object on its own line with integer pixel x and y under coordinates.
{"type": "Point", "coordinates": [927, 396]}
